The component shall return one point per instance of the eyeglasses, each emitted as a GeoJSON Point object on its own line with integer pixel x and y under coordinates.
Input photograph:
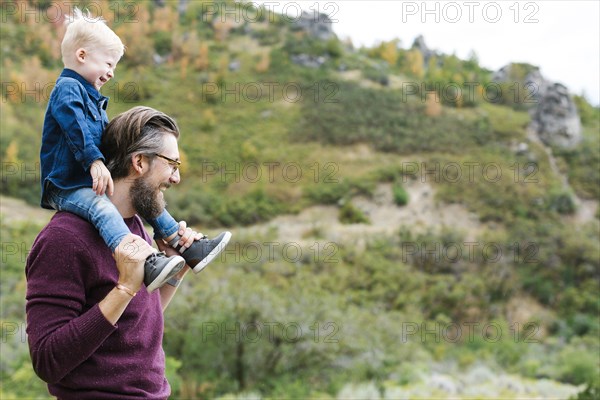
{"type": "Point", "coordinates": [173, 163]}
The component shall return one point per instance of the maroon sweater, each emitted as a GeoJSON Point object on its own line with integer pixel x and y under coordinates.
{"type": "Point", "coordinates": [73, 347]}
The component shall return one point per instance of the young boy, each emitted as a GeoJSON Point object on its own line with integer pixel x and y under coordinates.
{"type": "Point", "coordinates": [74, 177]}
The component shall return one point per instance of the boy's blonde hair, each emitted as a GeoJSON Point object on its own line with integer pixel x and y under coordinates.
{"type": "Point", "coordinates": [85, 31]}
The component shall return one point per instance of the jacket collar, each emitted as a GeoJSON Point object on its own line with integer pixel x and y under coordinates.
{"type": "Point", "coordinates": [91, 90]}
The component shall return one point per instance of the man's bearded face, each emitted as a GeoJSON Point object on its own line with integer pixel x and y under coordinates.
{"type": "Point", "coordinates": [147, 198]}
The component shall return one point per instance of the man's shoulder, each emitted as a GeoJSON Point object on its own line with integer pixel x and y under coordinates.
{"type": "Point", "coordinates": [64, 237]}
{"type": "Point", "coordinates": [73, 226]}
{"type": "Point", "coordinates": [70, 225]}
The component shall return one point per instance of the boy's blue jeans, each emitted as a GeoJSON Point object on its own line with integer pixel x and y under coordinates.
{"type": "Point", "coordinates": [102, 213]}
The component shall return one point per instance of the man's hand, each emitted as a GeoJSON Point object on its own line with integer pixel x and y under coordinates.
{"type": "Point", "coordinates": [130, 256]}
{"type": "Point", "coordinates": [101, 180]}
{"type": "Point", "coordinates": [188, 236]}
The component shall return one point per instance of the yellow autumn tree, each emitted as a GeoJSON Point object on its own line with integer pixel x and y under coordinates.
{"type": "Point", "coordinates": [414, 60]}
{"type": "Point", "coordinates": [183, 66]}
{"type": "Point", "coordinates": [208, 119]}
{"type": "Point", "coordinates": [12, 165]}
{"type": "Point", "coordinates": [12, 152]}
{"type": "Point", "coordinates": [137, 38]}
{"type": "Point", "coordinates": [202, 61]}
{"type": "Point", "coordinates": [433, 107]}
{"type": "Point", "coordinates": [222, 28]}
{"type": "Point", "coordinates": [389, 51]}
{"type": "Point", "coordinates": [165, 19]}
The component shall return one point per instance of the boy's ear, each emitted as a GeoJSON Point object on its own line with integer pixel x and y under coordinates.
{"type": "Point", "coordinates": [80, 54]}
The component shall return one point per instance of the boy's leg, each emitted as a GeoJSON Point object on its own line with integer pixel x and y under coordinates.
{"type": "Point", "coordinates": [98, 210]}
{"type": "Point", "coordinates": [200, 253]}
{"type": "Point", "coordinates": [105, 217]}
{"type": "Point", "coordinates": [165, 227]}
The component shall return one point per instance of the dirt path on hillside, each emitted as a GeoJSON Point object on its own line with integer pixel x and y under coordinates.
{"type": "Point", "coordinates": [421, 214]}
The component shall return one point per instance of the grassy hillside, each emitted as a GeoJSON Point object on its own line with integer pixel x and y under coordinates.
{"type": "Point", "coordinates": [354, 307]}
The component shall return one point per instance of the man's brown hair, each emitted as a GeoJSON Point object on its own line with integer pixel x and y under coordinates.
{"type": "Point", "coordinates": [139, 130]}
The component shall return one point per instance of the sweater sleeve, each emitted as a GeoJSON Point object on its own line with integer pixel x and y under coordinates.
{"type": "Point", "coordinates": [62, 333]}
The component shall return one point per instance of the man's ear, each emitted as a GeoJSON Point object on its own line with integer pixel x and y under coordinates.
{"type": "Point", "coordinates": [138, 163]}
{"type": "Point", "coordinates": [81, 54]}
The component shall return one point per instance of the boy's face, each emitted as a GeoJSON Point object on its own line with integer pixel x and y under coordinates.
{"type": "Point", "coordinates": [96, 67]}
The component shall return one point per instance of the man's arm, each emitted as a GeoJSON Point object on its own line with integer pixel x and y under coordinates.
{"type": "Point", "coordinates": [131, 274]}
{"type": "Point", "coordinates": [61, 332]}
{"type": "Point", "coordinates": [187, 237]}
{"type": "Point", "coordinates": [167, 291]}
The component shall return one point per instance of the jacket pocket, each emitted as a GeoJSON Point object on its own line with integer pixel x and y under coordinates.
{"type": "Point", "coordinates": [95, 122]}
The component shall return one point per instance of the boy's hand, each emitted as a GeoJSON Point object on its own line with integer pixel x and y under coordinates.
{"type": "Point", "coordinates": [101, 180]}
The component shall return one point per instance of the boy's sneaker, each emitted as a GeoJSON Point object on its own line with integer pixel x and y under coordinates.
{"type": "Point", "coordinates": [203, 251]}
{"type": "Point", "coordinates": [159, 269]}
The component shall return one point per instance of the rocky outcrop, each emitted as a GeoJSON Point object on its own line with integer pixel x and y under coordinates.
{"type": "Point", "coordinates": [554, 116]}
{"type": "Point", "coordinates": [555, 119]}
{"type": "Point", "coordinates": [419, 44]}
{"type": "Point", "coordinates": [319, 26]}
{"type": "Point", "coordinates": [309, 61]}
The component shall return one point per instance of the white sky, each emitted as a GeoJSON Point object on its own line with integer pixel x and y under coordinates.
{"type": "Point", "coordinates": [561, 37]}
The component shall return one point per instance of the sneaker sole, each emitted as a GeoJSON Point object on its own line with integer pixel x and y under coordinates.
{"type": "Point", "coordinates": [215, 252]}
{"type": "Point", "coordinates": [171, 269]}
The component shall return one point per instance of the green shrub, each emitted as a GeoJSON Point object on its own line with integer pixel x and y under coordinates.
{"type": "Point", "coordinates": [591, 392]}
{"type": "Point", "coordinates": [561, 202]}
{"type": "Point", "coordinates": [312, 46]}
{"type": "Point", "coordinates": [388, 173]}
{"type": "Point", "coordinates": [377, 75]}
{"type": "Point", "coordinates": [162, 42]}
{"type": "Point", "coordinates": [334, 192]}
{"type": "Point", "coordinates": [252, 208]}
{"type": "Point", "coordinates": [589, 114]}
{"type": "Point", "coordinates": [352, 215]}
{"type": "Point", "coordinates": [389, 122]}
{"type": "Point", "coordinates": [579, 366]}
{"type": "Point", "coordinates": [327, 193]}
{"type": "Point", "coordinates": [400, 194]}
{"type": "Point", "coordinates": [583, 162]}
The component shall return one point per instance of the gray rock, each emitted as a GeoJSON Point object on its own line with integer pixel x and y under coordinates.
{"type": "Point", "coordinates": [307, 60]}
{"type": "Point", "coordinates": [443, 383]}
{"type": "Point", "coordinates": [536, 84]}
{"type": "Point", "coordinates": [158, 59]}
{"type": "Point", "coordinates": [319, 26]}
{"type": "Point", "coordinates": [235, 65]}
{"type": "Point", "coordinates": [522, 148]}
{"type": "Point", "coordinates": [182, 7]}
{"type": "Point", "coordinates": [554, 116]}
{"type": "Point", "coordinates": [555, 119]}
{"type": "Point", "coordinates": [419, 44]}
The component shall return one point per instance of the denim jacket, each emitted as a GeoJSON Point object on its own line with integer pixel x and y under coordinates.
{"type": "Point", "coordinates": [73, 126]}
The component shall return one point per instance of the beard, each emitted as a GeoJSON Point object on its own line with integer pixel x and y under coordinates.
{"type": "Point", "coordinates": [146, 198]}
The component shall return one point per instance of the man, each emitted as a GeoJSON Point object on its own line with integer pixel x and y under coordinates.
{"type": "Point", "coordinates": [94, 331]}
